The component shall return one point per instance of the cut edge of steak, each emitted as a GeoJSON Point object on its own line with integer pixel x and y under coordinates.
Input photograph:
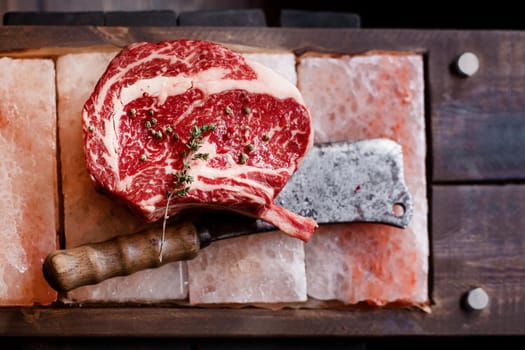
{"type": "Point", "coordinates": [191, 123]}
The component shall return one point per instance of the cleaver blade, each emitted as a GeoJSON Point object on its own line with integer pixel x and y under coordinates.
{"type": "Point", "coordinates": [360, 181]}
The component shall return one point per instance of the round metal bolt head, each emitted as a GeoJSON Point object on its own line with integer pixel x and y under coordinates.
{"type": "Point", "coordinates": [467, 64]}
{"type": "Point", "coordinates": [477, 299]}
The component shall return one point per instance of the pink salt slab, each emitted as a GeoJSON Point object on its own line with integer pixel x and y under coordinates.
{"type": "Point", "coordinates": [366, 96]}
{"type": "Point", "coordinates": [28, 224]}
{"type": "Point", "coordinates": [88, 215]}
{"type": "Point", "coordinates": [263, 268]}
{"type": "Point", "coordinates": [267, 268]}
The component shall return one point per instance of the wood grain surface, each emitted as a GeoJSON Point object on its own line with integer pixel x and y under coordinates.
{"type": "Point", "coordinates": [475, 169]}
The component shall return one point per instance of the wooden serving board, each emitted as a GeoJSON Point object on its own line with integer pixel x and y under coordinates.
{"type": "Point", "coordinates": [475, 169]}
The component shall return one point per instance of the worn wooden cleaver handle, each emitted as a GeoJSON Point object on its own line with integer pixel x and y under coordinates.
{"type": "Point", "coordinates": [92, 263]}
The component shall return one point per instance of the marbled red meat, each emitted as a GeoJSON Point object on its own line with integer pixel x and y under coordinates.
{"type": "Point", "coordinates": [252, 129]}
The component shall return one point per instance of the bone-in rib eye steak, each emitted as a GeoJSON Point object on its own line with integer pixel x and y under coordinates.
{"type": "Point", "coordinates": [192, 123]}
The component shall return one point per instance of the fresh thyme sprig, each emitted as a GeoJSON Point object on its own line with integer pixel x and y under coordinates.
{"type": "Point", "coordinates": [182, 179]}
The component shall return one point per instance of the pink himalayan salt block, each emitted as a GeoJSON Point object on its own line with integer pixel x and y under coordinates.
{"type": "Point", "coordinates": [260, 268]}
{"type": "Point", "coordinates": [90, 216]}
{"type": "Point", "coordinates": [28, 227]}
{"type": "Point", "coordinates": [358, 97]}
{"type": "Point", "coordinates": [263, 268]}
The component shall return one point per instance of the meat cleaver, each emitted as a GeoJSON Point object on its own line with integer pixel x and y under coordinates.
{"type": "Point", "coordinates": [360, 181]}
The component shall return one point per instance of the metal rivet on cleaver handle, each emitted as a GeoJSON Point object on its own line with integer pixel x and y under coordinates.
{"type": "Point", "coordinates": [361, 181]}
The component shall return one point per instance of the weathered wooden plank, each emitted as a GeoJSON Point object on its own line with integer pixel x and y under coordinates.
{"type": "Point", "coordinates": [478, 240]}
{"type": "Point", "coordinates": [300, 39]}
{"type": "Point", "coordinates": [478, 131]}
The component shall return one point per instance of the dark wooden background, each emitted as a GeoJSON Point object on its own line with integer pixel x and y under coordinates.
{"type": "Point", "coordinates": [475, 169]}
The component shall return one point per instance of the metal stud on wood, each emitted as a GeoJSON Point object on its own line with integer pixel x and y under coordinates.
{"type": "Point", "coordinates": [476, 299]}
{"type": "Point", "coordinates": [467, 64]}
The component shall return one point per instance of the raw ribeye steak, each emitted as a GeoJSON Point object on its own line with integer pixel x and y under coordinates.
{"type": "Point", "coordinates": [186, 123]}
